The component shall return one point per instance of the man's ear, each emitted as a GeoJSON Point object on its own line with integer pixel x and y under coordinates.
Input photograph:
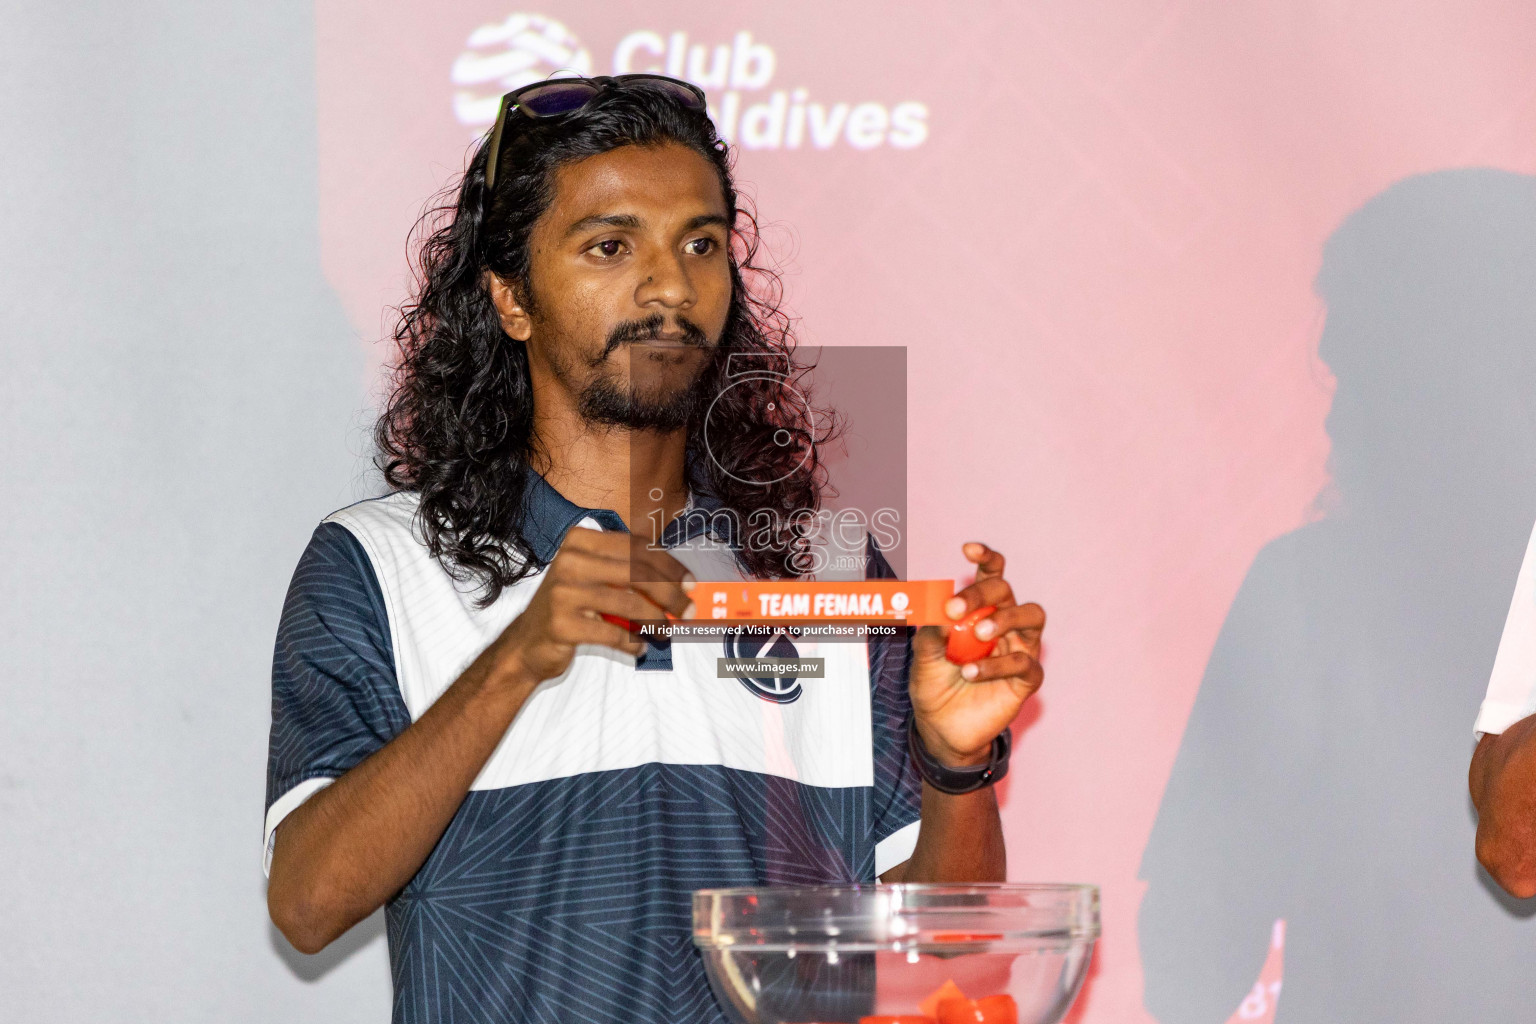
{"type": "Point", "coordinates": [514, 318]}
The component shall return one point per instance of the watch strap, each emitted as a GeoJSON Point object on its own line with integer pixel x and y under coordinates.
{"type": "Point", "coordinates": [957, 781]}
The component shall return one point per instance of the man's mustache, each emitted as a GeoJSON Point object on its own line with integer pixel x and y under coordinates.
{"type": "Point", "coordinates": [650, 329]}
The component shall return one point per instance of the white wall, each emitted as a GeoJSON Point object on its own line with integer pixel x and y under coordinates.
{"type": "Point", "coordinates": [181, 401]}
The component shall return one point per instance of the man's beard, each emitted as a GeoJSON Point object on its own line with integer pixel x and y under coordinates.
{"type": "Point", "coordinates": [605, 400]}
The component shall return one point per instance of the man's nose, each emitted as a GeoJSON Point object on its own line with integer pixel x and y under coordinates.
{"type": "Point", "coordinates": [665, 282]}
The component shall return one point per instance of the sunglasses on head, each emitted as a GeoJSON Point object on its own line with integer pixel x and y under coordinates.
{"type": "Point", "coordinates": [560, 96]}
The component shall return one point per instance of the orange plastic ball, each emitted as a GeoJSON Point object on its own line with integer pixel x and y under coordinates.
{"type": "Point", "coordinates": [964, 645]}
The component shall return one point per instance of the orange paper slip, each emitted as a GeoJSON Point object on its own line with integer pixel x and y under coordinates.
{"type": "Point", "coordinates": [910, 602]}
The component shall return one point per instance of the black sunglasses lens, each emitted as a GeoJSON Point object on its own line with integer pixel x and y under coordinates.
{"type": "Point", "coordinates": [671, 88]}
{"type": "Point", "coordinates": [556, 98]}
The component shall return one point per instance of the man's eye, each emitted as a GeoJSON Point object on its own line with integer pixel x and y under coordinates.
{"type": "Point", "coordinates": [608, 247]}
{"type": "Point", "coordinates": [701, 246]}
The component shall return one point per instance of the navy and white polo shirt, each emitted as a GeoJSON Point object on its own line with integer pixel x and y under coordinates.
{"type": "Point", "coordinates": [561, 890]}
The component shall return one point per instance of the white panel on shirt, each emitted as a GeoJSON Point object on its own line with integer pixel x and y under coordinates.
{"type": "Point", "coordinates": [602, 713]}
{"type": "Point", "coordinates": [1512, 687]}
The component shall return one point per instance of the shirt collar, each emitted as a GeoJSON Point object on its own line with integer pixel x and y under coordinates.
{"type": "Point", "coordinates": [548, 515]}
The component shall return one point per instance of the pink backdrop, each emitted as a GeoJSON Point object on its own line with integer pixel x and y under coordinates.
{"type": "Point", "coordinates": [1094, 225]}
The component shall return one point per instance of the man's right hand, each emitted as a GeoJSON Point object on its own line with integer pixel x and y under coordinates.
{"type": "Point", "coordinates": [354, 844]}
{"type": "Point", "coordinates": [593, 573]}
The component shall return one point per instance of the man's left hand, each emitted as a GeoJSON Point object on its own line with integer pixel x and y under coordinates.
{"type": "Point", "coordinates": [960, 710]}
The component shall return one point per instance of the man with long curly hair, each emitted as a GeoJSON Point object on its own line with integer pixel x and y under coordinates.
{"type": "Point", "coordinates": [466, 731]}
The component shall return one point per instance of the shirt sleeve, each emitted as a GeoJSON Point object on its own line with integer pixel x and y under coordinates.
{"type": "Point", "coordinates": [335, 698]}
{"type": "Point", "coordinates": [1512, 686]}
{"type": "Point", "coordinates": [898, 798]}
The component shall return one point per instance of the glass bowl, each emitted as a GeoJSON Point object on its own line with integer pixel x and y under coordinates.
{"type": "Point", "coordinates": [1000, 953]}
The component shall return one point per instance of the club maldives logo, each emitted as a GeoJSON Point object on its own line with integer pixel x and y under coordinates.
{"type": "Point", "coordinates": [498, 58]}
{"type": "Point", "coordinates": [736, 74]}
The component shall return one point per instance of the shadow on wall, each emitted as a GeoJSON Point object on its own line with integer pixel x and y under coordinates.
{"type": "Point", "coordinates": [1322, 776]}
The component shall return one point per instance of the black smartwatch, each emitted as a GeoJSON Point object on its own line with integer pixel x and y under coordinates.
{"type": "Point", "coordinates": [959, 780]}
